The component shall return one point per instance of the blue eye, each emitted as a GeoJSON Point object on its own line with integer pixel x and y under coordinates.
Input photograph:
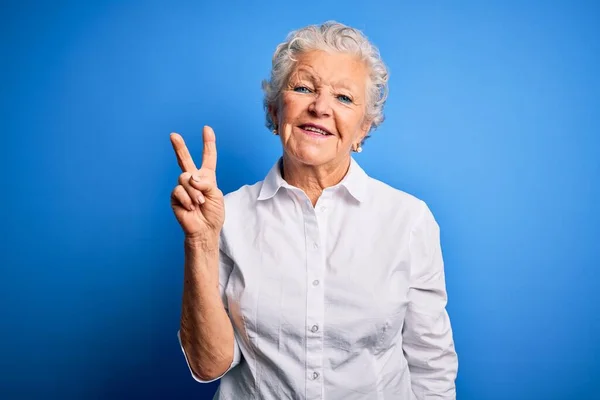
{"type": "Point", "coordinates": [344, 99]}
{"type": "Point", "coordinates": [301, 89]}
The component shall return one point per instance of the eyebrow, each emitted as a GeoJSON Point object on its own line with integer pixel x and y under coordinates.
{"type": "Point", "coordinates": [305, 72]}
{"type": "Point", "coordinates": [346, 84]}
{"type": "Point", "coordinates": [343, 83]}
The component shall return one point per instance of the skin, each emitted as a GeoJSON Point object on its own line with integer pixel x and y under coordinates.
{"type": "Point", "coordinates": [205, 329]}
{"type": "Point", "coordinates": [326, 89]}
{"type": "Point", "coordinates": [329, 90]}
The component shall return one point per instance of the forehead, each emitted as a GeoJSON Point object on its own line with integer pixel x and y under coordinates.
{"type": "Point", "coordinates": [331, 68]}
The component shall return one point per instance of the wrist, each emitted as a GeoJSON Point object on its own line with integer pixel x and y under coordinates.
{"type": "Point", "coordinates": [207, 242]}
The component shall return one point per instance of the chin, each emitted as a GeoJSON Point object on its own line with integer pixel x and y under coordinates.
{"type": "Point", "coordinates": [313, 157]}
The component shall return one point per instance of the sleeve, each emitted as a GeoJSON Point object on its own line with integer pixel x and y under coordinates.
{"type": "Point", "coordinates": [225, 268]}
{"type": "Point", "coordinates": [428, 343]}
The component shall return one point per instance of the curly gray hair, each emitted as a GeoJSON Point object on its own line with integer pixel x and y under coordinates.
{"type": "Point", "coordinates": [330, 36]}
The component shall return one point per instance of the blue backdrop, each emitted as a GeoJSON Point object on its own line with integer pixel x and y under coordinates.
{"type": "Point", "coordinates": [492, 119]}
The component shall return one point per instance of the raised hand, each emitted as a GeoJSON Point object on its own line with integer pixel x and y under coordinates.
{"type": "Point", "coordinates": [197, 201]}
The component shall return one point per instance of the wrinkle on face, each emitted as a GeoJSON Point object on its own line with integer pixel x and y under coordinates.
{"type": "Point", "coordinates": [329, 90]}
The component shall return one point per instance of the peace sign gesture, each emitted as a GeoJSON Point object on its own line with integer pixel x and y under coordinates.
{"type": "Point", "coordinates": [197, 201]}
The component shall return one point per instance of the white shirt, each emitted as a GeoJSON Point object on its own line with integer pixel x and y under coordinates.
{"type": "Point", "coordinates": [341, 301]}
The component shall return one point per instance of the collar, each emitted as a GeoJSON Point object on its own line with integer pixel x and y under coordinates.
{"type": "Point", "coordinates": [355, 182]}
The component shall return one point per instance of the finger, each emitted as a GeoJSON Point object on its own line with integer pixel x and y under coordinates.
{"type": "Point", "coordinates": [179, 196]}
{"type": "Point", "coordinates": [203, 183]}
{"type": "Point", "coordinates": [209, 155]}
{"type": "Point", "coordinates": [195, 194]}
{"type": "Point", "coordinates": [184, 159]}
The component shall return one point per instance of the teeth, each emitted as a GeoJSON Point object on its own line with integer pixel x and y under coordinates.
{"type": "Point", "coordinates": [317, 130]}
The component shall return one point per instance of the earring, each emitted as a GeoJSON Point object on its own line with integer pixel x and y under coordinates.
{"type": "Point", "coordinates": [275, 131]}
{"type": "Point", "coordinates": [358, 148]}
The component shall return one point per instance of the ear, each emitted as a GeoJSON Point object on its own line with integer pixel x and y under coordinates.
{"type": "Point", "coordinates": [273, 113]}
{"type": "Point", "coordinates": [364, 129]}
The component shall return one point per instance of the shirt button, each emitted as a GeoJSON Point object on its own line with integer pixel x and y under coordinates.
{"type": "Point", "coordinates": [314, 328]}
{"type": "Point", "coordinates": [315, 375]}
{"type": "Point", "coordinates": [315, 245]}
{"type": "Point", "coordinates": [316, 282]}
{"type": "Point", "coordinates": [323, 208]}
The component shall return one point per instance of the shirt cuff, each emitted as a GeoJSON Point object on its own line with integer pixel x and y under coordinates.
{"type": "Point", "coordinates": [236, 360]}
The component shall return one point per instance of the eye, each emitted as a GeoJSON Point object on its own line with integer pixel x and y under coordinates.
{"type": "Point", "coordinates": [344, 99]}
{"type": "Point", "coordinates": [301, 89]}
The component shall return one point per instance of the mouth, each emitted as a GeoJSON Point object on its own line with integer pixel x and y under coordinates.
{"type": "Point", "coordinates": [315, 130]}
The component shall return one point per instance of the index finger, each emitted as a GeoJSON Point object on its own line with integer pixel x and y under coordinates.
{"type": "Point", "coordinates": [209, 155]}
{"type": "Point", "coordinates": [184, 159]}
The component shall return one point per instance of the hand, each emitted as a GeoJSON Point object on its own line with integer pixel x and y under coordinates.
{"type": "Point", "coordinates": [197, 201]}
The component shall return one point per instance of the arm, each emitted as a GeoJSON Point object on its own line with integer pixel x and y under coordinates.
{"type": "Point", "coordinates": [206, 333]}
{"type": "Point", "coordinates": [427, 335]}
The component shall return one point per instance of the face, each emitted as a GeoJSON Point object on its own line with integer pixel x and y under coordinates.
{"type": "Point", "coordinates": [321, 114]}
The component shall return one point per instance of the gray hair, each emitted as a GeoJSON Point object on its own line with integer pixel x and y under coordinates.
{"type": "Point", "coordinates": [330, 36]}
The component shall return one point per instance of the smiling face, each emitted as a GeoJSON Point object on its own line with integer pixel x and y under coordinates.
{"type": "Point", "coordinates": [321, 113]}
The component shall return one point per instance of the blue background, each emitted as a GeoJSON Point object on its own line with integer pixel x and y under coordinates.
{"type": "Point", "coordinates": [492, 119]}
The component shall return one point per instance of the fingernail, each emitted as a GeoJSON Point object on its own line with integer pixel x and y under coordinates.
{"type": "Point", "coordinates": [192, 208]}
{"type": "Point", "coordinates": [196, 178]}
{"type": "Point", "coordinates": [201, 199]}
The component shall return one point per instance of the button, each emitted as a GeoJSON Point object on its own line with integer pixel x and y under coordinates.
{"type": "Point", "coordinates": [314, 328]}
{"type": "Point", "coordinates": [315, 245]}
{"type": "Point", "coordinates": [315, 375]}
{"type": "Point", "coordinates": [316, 282]}
{"type": "Point", "coordinates": [323, 208]}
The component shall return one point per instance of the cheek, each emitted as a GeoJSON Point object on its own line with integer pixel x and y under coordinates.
{"type": "Point", "coordinates": [291, 106]}
{"type": "Point", "coordinates": [350, 123]}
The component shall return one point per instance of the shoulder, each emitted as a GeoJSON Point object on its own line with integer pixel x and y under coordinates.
{"type": "Point", "coordinates": [243, 198]}
{"type": "Point", "coordinates": [387, 197]}
{"type": "Point", "coordinates": [401, 211]}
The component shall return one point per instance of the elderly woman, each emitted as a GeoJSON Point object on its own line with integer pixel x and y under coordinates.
{"type": "Point", "coordinates": [318, 282]}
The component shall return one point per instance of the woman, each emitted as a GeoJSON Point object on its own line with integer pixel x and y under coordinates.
{"type": "Point", "coordinates": [321, 282]}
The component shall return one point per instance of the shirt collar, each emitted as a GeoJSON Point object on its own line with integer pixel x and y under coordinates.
{"type": "Point", "coordinates": [355, 181]}
{"type": "Point", "coordinates": [272, 182]}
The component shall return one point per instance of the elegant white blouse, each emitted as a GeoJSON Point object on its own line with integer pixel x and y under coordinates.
{"type": "Point", "coordinates": [345, 300]}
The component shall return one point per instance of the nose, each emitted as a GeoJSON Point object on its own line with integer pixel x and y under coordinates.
{"type": "Point", "coordinates": [321, 106]}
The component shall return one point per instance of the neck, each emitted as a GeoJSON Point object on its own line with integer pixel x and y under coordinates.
{"type": "Point", "coordinates": [314, 179]}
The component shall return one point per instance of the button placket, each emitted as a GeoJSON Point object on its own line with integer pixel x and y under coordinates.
{"type": "Point", "coordinates": [315, 268]}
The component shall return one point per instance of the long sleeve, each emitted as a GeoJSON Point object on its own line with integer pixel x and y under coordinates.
{"type": "Point", "coordinates": [428, 344]}
{"type": "Point", "coordinates": [225, 268]}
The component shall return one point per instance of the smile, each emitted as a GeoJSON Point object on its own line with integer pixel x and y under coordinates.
{"type": "Point", "coordinates": [314, 130]}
